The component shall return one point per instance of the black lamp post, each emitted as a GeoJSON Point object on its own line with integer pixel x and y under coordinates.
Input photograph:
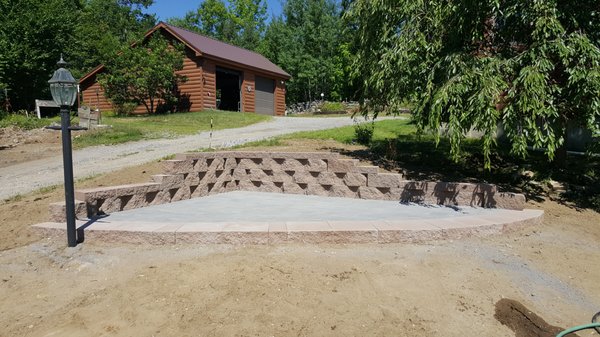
{"type": "Point", "coordinates": [64, 91]}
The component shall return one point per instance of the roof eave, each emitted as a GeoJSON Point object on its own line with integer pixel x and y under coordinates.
{"type": "Point", "coordinates": [172, 32]}
{"type": "Point", "coordinates": [242, 66]}
{"type": "Point", "coordinates": [91, 73]}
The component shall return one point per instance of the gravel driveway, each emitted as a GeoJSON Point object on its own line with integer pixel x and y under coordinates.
{"type": "Point", "coordinates": [26, 177]}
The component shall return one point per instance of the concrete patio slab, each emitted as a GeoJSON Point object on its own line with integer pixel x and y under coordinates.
{"type": "Point", "coordinates": [272, 218]}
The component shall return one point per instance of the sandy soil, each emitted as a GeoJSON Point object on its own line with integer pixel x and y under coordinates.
{"type": "Point", "coordinates": [443, 288]}
{"type": "Point", "coordinates": [18, 146]}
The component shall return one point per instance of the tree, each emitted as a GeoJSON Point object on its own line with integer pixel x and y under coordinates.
{"type": "Point", "coordinates": [145, 74]}
{"type": "Point", "coordinates": [241, 24]}
{"type": "Point", "coordinates": [534, 66]}
{"type": "Point", "coordinates": [32, 36]}
{"type": "Point", "coordinates": [105, 27]}
{"type": "Point", "coordinates": [308, 42]}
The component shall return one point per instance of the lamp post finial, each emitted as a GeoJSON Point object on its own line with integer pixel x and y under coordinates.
{"type": "Point", "coordinates": [61, 63]}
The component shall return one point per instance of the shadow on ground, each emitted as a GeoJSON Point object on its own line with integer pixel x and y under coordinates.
{"type": "Point", "coordinates": [574, 184]}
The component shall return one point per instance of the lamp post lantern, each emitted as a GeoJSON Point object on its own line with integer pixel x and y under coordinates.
{"type": "Point", "coordinates": [64, 91]}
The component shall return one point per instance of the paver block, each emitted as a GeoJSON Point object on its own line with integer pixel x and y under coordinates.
{"type": "Point", "coordinates": [168, 181]}
{"type": "Point", "coordinates": [320, 190]}
{"type": "Point", "coordinates": [355, 179]}
{"type": "Point", "coordinates": [303, 177]}
{"type": "Point", "coordinates": [342, 165]}
{"type": "Point", "coordinates": [293, 188]}
{"type": "Point", "coordinates": [385, 180]}
{"type": "Point", "coordinates": [367, 169]}
{"type": "Point", "coordinates": [327, 178]}
{"type": "Point", "coordinates": [508, 201]}
{"type": "Point", "coordinates": [372, 193]}
{"type": "Point", "coordinates": [175, 166]}
{"type": "Point", "coordinates": [58, 211]}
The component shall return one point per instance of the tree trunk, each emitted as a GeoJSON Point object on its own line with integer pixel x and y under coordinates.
{"type": "Point", "coordinates": [560, 156]}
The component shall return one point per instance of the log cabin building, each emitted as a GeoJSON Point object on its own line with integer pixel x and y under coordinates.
{"type": "Point", "coordinates": [219, 76]}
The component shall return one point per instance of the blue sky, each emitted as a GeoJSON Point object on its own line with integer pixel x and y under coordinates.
{"type": "Point", "coordinates": [165, 9]}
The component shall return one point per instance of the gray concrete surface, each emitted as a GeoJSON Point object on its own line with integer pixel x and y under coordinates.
{"type": "Point", "coordinates": [244, 206]}
{"type": "Point", "coordinates": [26, 177]}
{"type": "Point", "coordinates": [243, 217]}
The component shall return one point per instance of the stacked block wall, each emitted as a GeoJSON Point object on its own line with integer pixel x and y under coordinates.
{"type": "Point", "coordinates": [194, 175]}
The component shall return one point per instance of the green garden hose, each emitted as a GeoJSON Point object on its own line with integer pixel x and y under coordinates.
{"type": "Point", "coordinates": [594, 325]}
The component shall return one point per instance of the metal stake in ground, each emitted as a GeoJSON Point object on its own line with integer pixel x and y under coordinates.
{"type": "Point", "coordinates": [64, 91]}
{"type": "Point", "coordinates": [210, 135]}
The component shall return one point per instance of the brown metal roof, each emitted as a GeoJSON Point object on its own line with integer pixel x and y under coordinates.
{"type": "Point", "coordinates": [208, 46]}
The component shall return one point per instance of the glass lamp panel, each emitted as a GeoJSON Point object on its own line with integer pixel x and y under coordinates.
{"type": "Point", "coordinates": [72, 93]}
{"type": "Point", "coordinates": [63, 87]}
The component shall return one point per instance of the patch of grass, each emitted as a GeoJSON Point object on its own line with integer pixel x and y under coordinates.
{"type": "Point", "coordinates": [126, 129]}
{"type": "Point", "coordinates": [332, 106]}
{"type": "Point", "coordinates": [24, 122]}
{"type": "Point", "coordinates": [14, 198]}
{"type": "Point", "coordinates": [320, 115]}
{"type": "Point", "coordinates": [87, 178]}
{"type": "Point", "coordinates": [382, 130]}
{"type": "Point", "coordinates": [46, 189]}
{"type": "Point", "coordinates": [261, 143]}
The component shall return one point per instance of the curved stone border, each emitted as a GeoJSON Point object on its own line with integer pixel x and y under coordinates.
{"type": "Point", "coordinates": [337, 232]}
{"type": "Point", "coordinates": [192, 175]}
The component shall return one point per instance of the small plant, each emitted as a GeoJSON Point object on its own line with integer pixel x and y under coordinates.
{"type": "Point", "coordinates": [14, 198]}
{"type": "Point", "coordinates": [363, 133]}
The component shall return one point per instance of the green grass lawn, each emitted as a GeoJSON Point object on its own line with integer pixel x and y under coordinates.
{"type": "Point", "coordinates": [383, 130]}
{"type": "Point", "coordinates": [126, 129]}
{"type": "Point", "coordinates": [319, 115]}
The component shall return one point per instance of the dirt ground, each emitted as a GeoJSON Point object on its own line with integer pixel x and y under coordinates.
{"type": "Point", "coordinates": [443, 288]}
{"type": "Point", "coordinates": [18, 146]}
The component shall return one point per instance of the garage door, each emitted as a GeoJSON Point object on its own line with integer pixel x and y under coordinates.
{"type": "Point", "coordinates": [264, 100]}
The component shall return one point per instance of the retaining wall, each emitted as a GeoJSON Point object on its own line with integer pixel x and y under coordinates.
{"type": "Point", "coordinates": [192, 175]}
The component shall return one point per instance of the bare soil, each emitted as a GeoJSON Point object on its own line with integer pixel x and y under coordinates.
{"type": "Point", "coordinates": [20, 146]}
{"type": "Point", "coordinates": [443, 288]}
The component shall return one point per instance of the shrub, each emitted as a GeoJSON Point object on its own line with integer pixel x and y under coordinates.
{"type": "Point", "coordinates": [22, 121]}
{"type": "Point", "coordinates": [332, 107]}
{"type": "Point", "coordinates": [124, 109]}
{"type": "Point", "coordinates": [363, 133]}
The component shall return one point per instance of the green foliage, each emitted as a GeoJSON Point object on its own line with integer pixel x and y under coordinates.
{"type": "Point", "coordinates": [363, 133]}
{"type": "Point", "coordinates": [23, 122]}
{"type": "Point", "coordinates": [531, 65]}
{"type": "Point", "coordinates": [32, 35]}
{"type": "Point", "coordinates": [123, 109]}
{"type": "Point", "coordinates": [309, 42]}
{"type": "Point", "coordinates": [332, 107]}
{"type": "Point", "coordinates": [144, 74]}
{"type": "Point", "coordinates": [242, 23]}
{"type": "Point", "coordinates": [104, 27]}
